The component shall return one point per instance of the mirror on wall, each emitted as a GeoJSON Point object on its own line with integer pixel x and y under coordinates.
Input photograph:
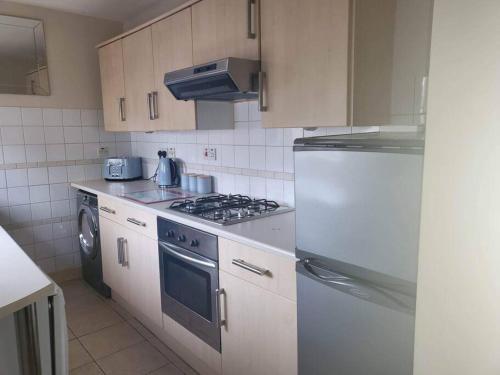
{"type": "Point", "coordinates": [23, 58]}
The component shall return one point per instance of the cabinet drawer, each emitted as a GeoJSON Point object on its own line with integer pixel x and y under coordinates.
{"type": "Point", "coordinates": [129, 216]}
{"type": "Point", "coordinates": [272, 272]}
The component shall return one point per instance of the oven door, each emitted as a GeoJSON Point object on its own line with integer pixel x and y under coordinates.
{"type": "Point", "coordinates": [189, 286]}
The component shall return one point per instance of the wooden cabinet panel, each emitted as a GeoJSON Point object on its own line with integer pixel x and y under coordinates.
{"type": "Point", "coordinates": [113, 86]}
{"type": "Point", "coordinates": [280, 278]}
{"type": "Point", "coordinates": [172, 50]}
{"type": "Point", "coordinates": [260, 336]}
{"type": "Point", "coordinates": [139, 79]}
{"type": "Point", "coordinates": [220, 29]}
{"type": "Point", "coordinates": [305, 55]}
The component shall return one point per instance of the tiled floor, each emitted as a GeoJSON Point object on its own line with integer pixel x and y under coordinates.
{"type": "Point", "coordinates": [106, 339]}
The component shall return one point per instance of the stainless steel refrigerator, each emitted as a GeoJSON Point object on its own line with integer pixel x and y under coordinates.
{"type": "Point", "coordinates": [357, 217]}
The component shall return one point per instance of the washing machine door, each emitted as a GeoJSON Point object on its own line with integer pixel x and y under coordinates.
{"type": "Point", "coordinates": [87, 232]}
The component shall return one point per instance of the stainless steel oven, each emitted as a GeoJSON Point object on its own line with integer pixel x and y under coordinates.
{"type": "Point", "coordinates": [190, 279]}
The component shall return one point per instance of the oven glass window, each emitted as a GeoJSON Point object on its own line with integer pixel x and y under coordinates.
{"type": "Point", "coordinates": [188, 285]}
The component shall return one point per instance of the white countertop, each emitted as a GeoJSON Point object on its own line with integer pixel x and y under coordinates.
{"type": "Point", "coordinates": [21, 281]}
{"type": "Point", "coordinates": [274, 233]}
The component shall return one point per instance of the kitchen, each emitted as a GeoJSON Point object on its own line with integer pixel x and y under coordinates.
{"type": "Point", "coordinates": [245, 186]}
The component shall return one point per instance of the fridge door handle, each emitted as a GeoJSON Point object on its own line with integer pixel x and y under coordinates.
{"type": "Point", "coordinates": [357, 288]}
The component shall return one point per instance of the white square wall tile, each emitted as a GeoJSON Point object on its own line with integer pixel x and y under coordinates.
{"type": "Point", "coordinates": [71, 117]}
{"type": "Point", "coordinates": [59, 192]}
{"type": "Point", "coordinates": [44, 250]}
{"type": "Point", "coordinates": [38, 176]}
{"type": "Point", "coordinates": [56, 152]}
{"type": "Point", "coordinates": [89, 117]}
{"type": "Point", "coordinates": [14, 154]}
{"type": "Point", "coordinates": [289, 193]}
{"type": "Point", "coordinates": [274, 190]}
{"type": "Point", "coordinates": [4, 215]}
{"type": "Point", "coordinates": [32, 116]}
{"type": "Point", "coordinates": [1, 155]}
{"type": "Point", "coordinates": [90, 150]}
{"type": "Point", "coordinates": [10, 116]}
{"type": "Point", "coordinates": [290, 134]}
{"type": "Point", "coordinates": [60, 208]}
{"type": "Point", "coordinates": [241, 133]}
{"type": "Point", "coordinates": [3, 180]}
{"type": "Point", "coordinates": [16, 177]}
{"type": "Point", "coordinates": [242, 184]}
{"type": "Point", "coordinates": [288, 162]}
{"type": "Point", "coordinates": [4, 198]}
{"type": "Point", "coordinates": [39, 193]}
{"type": "Point", "coordinates": [73, 134]}
{"type": "Point", "coordinates": [35, 153]}
{"type": "Point", "coordinates": [12, 135]}
{"type": "Point", "coordinates": [241, 157]}
{"type": "Point", "coordinates": [274, 137]}
{"type": "Point", "coordinates": [241, 111]}
{"type": "Point", "coordinates": [227, 156]}
{"type": "Point", "coordinates": [62, 229]}
{"type": "Point", "coordinates": [93, 172]}
{"type": "Point", "coordinates": [34, 135]}
{"type": "Point", "coordinates": [274, 159]}
{"type": "Point", "coordinates": [64, 262]}
{"type": "Point", "coordinates": [90, 134]}
{"type": "Point", "coordinates": [125, 149]}
{"type": "Point", "coordinates": [256, 136]}
{"type": "Point", "coordinates": [126, 137]}
{"type": "Point", "coordinates": [74, 151]}
{"type": "Point", "coordinates": [42, 232]}
{"type": "Point", "coordinates": [257, 157]}
{"type": "Point", "coordinates": [105, 136]}
{"type": "Point", "coordinates": [253, 111]}
{"type": "Point", "coordinates": [258, 187]}
{"type": "Point", "coordinates": [58, 175]}
{"type": "Point", "coordinates": [41, 211]}
{"type": "Point", "coordinates": [52, 117]}
{"type": "Point", "coordinates": [76, 173]}
{"type": "Point", "coordinates": [18, 195]}
{"type": "Point", "coordinates": [54, 134]}
{"type": "Point", "coordinates": [20, 214]}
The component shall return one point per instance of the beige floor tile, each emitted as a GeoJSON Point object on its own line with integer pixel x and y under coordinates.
{"type": "Point", "coordinates": [88, 369]}
{"type": "Point", "coordinates": [139, 359]}
{"type": "Point", "coordinates": [71, 335]}
{"type": "Point", "coordinates": [85, 319]}
{"type": "Point", "coordinates": [141, 328]}
{"type": "Point", "coordinates": [167, 370]}
{"type": "Point", "coordinates": [75, 288]}
{"type": "Point", "coordinates": [171, 356]}
{"type": "Point", "coordinates": [110, 340]}
{"type": "Point", "coordinates": [84, 299]}
{"type": "Point", "coordinates": [185, 368]}
{"type": "Point", "coordinates": [78, 356]}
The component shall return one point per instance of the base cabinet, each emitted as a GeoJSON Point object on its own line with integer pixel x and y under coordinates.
{"type": "Point", "coordinates": [260, 335]}
{"type": "Point", "coordinates": [135, 276]}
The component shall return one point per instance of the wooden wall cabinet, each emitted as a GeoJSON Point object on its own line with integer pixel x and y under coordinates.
{"type": "Point", "coordinates": [225, 28]}
{"type": "Point", "coordinates": [305, 58]}
{"type": "Point", "coordinates": [113, 86]}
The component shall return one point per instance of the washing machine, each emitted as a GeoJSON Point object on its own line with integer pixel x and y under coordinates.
{"type": "Point", "coordinates": [90, 245]}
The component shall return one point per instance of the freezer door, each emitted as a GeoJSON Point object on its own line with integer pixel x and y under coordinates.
{"type": "Point", "coordinates": [360, 208]}
{"type": "Point", "coordinates": [348, 327]}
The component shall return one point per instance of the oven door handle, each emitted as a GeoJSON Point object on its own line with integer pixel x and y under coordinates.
{"type": "Point", "coordinates": [170, 249]}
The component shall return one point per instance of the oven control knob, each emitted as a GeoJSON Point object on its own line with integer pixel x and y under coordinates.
{"type": "Point", "coordinates": [181, 238]}
{"type": "Point", "coordinates": [194, 243]}
{"type": "Point", "coordinates": [170, 234]}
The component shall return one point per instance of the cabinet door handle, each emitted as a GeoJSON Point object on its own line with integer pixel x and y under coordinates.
{"type": "Point", "coordinates": [123, 115]}
{"type": "Point", "coordinates": [250, 267]}
{"type": "Point", "coordinates": [219, 308]}
{"type": "Point", "coordinates": [150, 105]}
{"type": "Point", "coordinates": [119, 246]}
{"type": "Point", "coordinates": [262, 80]}
{"type": "Point", "coordinates": [124, 252]}
{"type": "Point", "coordinates": [251, 19]}
{"type": "Point", "coordinates": [156, 116]}
{"type": "Point", "coordinates": [107, 209]}
{"type": "Point", "coordinates": [136, 222]}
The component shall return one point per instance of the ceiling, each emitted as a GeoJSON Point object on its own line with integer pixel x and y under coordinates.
{"type": "Point", "coordinates": [117, 10]}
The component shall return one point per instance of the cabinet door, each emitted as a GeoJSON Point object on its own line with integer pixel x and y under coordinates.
{"type": "Point", "coordinates": [114, 273]}
{"type": "Point", "coordinates": [222, 28]}
{"type": "Point", "coordinates": [305, 54]}
{"type": "Point", "coordinates": [391, 40]}
{"type": "Point", "coordinates": [260, 336]}
{"type": "Point", "coordinates": [144, 276]}
{"type": "Point", "coordinates": [173, 49]}
{"type": "Point", "coordinates": [139, 79]}
{"type": "Point", "coordinates": [113, 86]}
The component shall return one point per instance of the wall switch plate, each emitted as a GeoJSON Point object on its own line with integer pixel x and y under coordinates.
{"type": "Point", "coordinates": [171, 152]}
{"type": "Point", "coordinates": [102, 152]}
{"type": "Point", "coordinates": [210, 153]}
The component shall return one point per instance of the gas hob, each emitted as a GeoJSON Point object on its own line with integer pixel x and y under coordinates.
{"type": "Point", "coordinates": [228, 209]}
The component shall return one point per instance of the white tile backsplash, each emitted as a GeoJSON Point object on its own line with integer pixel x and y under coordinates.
{"type": "Point", "coordinates": [32, 116]}
{"type": "Point", "coordinates": [10, 116]}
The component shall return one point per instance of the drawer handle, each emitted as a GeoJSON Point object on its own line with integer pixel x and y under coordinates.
{"type": "Point", "coordinates": [250, 267]}
{"type": "Point", "coordinates": [108, 210]}
{"type": "Point", "coordinates": [136, 222]}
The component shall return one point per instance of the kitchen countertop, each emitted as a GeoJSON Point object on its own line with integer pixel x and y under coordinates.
{"type": "Point", "coordinates": [21, 281]}
{"type": "Point", "coordinates": [275, 233]}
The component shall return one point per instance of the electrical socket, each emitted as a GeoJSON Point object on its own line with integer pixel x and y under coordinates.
{"type": "Point", "coordinates": [102, 152]}
{"type": "Point", "coordinates": [171, 152]}
{"type": "Point", "coordinates": [210, 153]}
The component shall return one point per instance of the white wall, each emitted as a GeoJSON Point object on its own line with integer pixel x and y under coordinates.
{"type": "Point", "coordinates": [458, 297]}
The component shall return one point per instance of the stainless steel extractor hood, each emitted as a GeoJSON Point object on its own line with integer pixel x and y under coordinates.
{"type": "Point", "coordinates": [226, 80]}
